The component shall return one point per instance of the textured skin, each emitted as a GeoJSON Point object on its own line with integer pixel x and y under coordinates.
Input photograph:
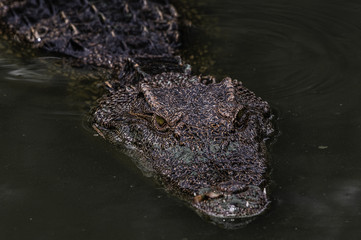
{"type": "Point", "coordinates": [204, 141]}
{"type": "Point", "coordinates": [209, 145]}
{"type": "Point", "coordinates": [101, 34]}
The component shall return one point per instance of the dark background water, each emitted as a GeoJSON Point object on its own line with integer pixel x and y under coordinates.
{"type": "Point", "coordinates": [58, 181]}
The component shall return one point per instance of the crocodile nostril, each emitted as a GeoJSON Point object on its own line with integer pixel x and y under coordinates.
{"type": "Point", "coordinates": [208, 195]}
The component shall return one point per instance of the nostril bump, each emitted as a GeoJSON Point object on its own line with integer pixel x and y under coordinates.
{"type": "Point", "coordinates": [208, 195]}
{"type": "Point", "coordinates": [232, 187]}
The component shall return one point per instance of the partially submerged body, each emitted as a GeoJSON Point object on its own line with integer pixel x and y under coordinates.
{"type": "Point", "coordinates": [204, 141]}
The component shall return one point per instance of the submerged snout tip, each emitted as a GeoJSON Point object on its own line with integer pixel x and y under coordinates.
{"type": "Point", "coordinates": [244, 202]}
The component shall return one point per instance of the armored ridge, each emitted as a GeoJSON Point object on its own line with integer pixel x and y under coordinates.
{"type": "Point", "coordinates": [204, 141]}
{"type": "Point", "coordinates": [101, 34]}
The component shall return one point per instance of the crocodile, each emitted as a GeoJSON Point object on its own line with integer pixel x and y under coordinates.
{"type": "Point", "coordinates": [204, 140]}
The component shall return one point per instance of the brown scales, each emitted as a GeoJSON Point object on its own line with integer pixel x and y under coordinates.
{"type": "Point", "coordinates": [204, 141]}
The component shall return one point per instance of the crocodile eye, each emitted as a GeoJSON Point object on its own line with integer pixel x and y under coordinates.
{"type": "Point", "coordinates": [240, 114]}
{"type": "Point", "coordinates": [160, 121]}
{"type": "Point", "coordinates": [240, 117]}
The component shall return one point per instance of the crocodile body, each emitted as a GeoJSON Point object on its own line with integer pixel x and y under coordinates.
{"type": "Point", "coordinates": [203, 140]}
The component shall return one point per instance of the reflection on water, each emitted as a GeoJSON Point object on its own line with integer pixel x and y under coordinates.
{"type": "Point", "coordinates": [28, 73]}
{"type": "Point", "coordinates": [58, 181]}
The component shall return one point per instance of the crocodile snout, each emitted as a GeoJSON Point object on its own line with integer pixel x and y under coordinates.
{"type": "Point", "coordinates": [232, 200]}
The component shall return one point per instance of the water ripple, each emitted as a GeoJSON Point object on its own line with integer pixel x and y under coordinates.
{"type": "Point", "coordinates": [32, 70]}
{"type": "Point", "coordinates": [293, 48]}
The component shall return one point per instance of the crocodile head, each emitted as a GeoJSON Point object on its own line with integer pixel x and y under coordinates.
{"type": "Point", "coordinates": [204, 141]}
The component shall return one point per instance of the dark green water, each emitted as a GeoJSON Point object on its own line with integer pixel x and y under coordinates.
{"type": "Point", "coordinates": [58, 181]}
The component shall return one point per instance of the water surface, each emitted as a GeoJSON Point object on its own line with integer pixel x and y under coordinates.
{"type": "Point", "coordinates": [59, 181]}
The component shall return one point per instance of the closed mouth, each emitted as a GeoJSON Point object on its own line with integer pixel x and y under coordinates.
{"type": "Point", "coordinates": [248, 203]}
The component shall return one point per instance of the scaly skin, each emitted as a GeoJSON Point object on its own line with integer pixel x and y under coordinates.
{"type": "Point", "coordinates": [204, 141]}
